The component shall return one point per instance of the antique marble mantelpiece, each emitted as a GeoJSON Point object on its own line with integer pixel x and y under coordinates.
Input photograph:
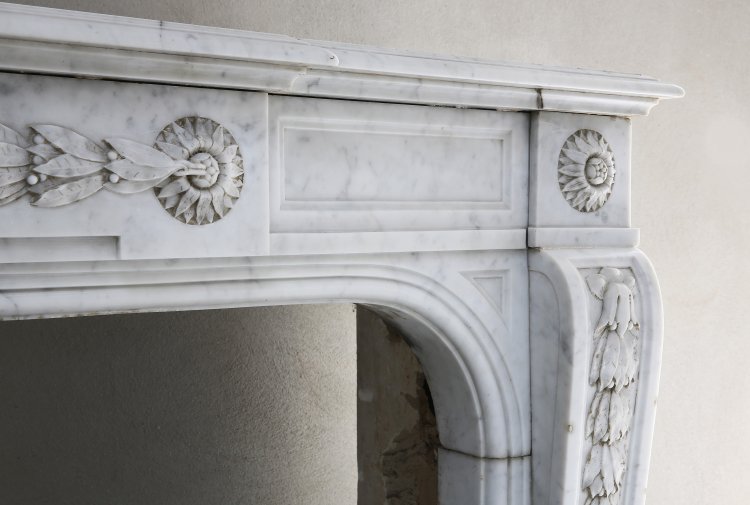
{"type": "Point", "coordinates": [483, 208]}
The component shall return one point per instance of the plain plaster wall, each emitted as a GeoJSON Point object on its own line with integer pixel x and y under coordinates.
{"type": "Point", "coordinates": [241, 406]}
{"type": "Point", "coordinates": [690, 176]}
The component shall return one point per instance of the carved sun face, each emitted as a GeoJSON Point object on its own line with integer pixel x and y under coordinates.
{"type": "Point", "coordinates": [586, 170]}
{"type": "Point", "coordinates": [208, 186]}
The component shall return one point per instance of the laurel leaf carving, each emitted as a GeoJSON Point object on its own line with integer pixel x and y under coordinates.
{"type": "Point", "coordinates": [618, 462]}
{"type": "Point", "coordinates": [600, 341]}
{"type": "Point", "coordinates": [13, 174]}
{"type": "Point", "coordinates": [610, 358]}
{"type": "Point", "coordinates": [597, 283]}
{"type": "Point", "coordinates": [592, 467]}
{"type": "Point", "coordinates": [67, 165]}
{"type": "Point", "coordinates": [593, 410]}
{"type": "Point", "coordinates": [70, 192]}
{"type": "Point", "coordinates": [608, 475]}
{"type": "Point", "coordinates": [11, 189]}
{"type": "Point", "coordinates": [194, 167]}
{"type": "Point", "coordinates": [140, 154]}
{"type": "Point", "coordinates": [71, 142]}
{"type": "Point", "coordinates": [44, 151]}
{"type": "Point", "coordinates": [12, 155]}
{"type": "Point", "coordinates": [10, 136]}
{"type": "Point", "coordinates": [129, 187]}
{"type": "Point", "coordinates": [614, 366]}
{"type": "Point", "coordinates": [135, 172]}
{"type": "Point", "coordinates": [14, 196]}
{"type": "Point", "coordinates": [601, 421]}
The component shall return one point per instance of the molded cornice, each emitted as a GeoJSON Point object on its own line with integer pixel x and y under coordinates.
{"type": "Point", "coordinates": [53, 41]}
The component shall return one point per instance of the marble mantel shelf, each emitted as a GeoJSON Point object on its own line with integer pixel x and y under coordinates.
{"type": "Point", "coordinates": [151, 166]}
{"type": "Point", "coordinates": [54, 41]}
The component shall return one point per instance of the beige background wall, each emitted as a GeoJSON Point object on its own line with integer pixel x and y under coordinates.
{"type": "Point", "coordinates": [690, 178]}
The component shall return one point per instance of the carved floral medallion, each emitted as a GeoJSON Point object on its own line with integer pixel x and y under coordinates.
{"type": "Point", "coordinates": [195, 168]}
{"type": "Point", "coordinates": [586, 170]}
{"type": "Point", "coordinates": [209, 185]}
{"type": "Point", "coordinates": [614, 369]}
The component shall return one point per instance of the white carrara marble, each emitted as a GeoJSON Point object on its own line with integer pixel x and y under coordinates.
{"type": "Point", "coordinates": [55, 41]}
{"type": "Point", "coordinates": [595, 351]}
{"type": "Point", "coordinates": [135, 225]}
{"type": "Point", "coordinates": [349, 166]}
{"type": "Point", "coordinates": [497, 238]}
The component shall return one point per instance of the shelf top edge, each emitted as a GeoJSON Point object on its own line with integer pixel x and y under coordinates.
{"type": "Point", "coordinates": [72, 29]}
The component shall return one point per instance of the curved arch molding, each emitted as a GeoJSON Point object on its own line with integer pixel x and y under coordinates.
{"type": "Point", "coordinates": [494, 231]}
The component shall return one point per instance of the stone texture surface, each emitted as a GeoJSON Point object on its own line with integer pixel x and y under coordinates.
{"type": "Point", "coordinates": [397, 438]}
{"type": "Point", "coordinates": [231, 406]}
{"type": "Point", "coordinates": [676, 147]}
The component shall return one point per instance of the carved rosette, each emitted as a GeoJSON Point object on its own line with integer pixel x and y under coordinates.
{"type": "Point", "coordinates": [586, 170]}
{"type": "Point", "coordinates": [208, 187]}
{"type": "Point", "coordinates": [195, 167]}
{"type": "Point", "coordinates": [614, 368]}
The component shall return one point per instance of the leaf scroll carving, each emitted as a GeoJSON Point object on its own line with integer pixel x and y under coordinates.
{"type": "Point", "coordinates": [195, 168]}
{"type": "Point", "coordinates": [614, 369]}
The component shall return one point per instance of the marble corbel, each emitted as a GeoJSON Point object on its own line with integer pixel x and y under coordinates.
{"type": "Point", "coordinates": [595, 317]}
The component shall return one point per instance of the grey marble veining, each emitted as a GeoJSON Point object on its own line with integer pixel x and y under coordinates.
{"type": "Point", "coordinates": [497, 240]}
{"type": "Point", "coordinates": [99, 110]}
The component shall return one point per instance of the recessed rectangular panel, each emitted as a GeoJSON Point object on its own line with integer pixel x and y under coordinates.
{"type": "Point", "coordinates": [346, 166]}
{"type": "Point", "coordinates": [378, 162]}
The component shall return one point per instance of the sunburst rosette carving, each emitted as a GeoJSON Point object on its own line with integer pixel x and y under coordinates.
{"type": "Point", "coordinates": [586, 170]}
{"type": "Point", "coordinates": [206, 189]}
